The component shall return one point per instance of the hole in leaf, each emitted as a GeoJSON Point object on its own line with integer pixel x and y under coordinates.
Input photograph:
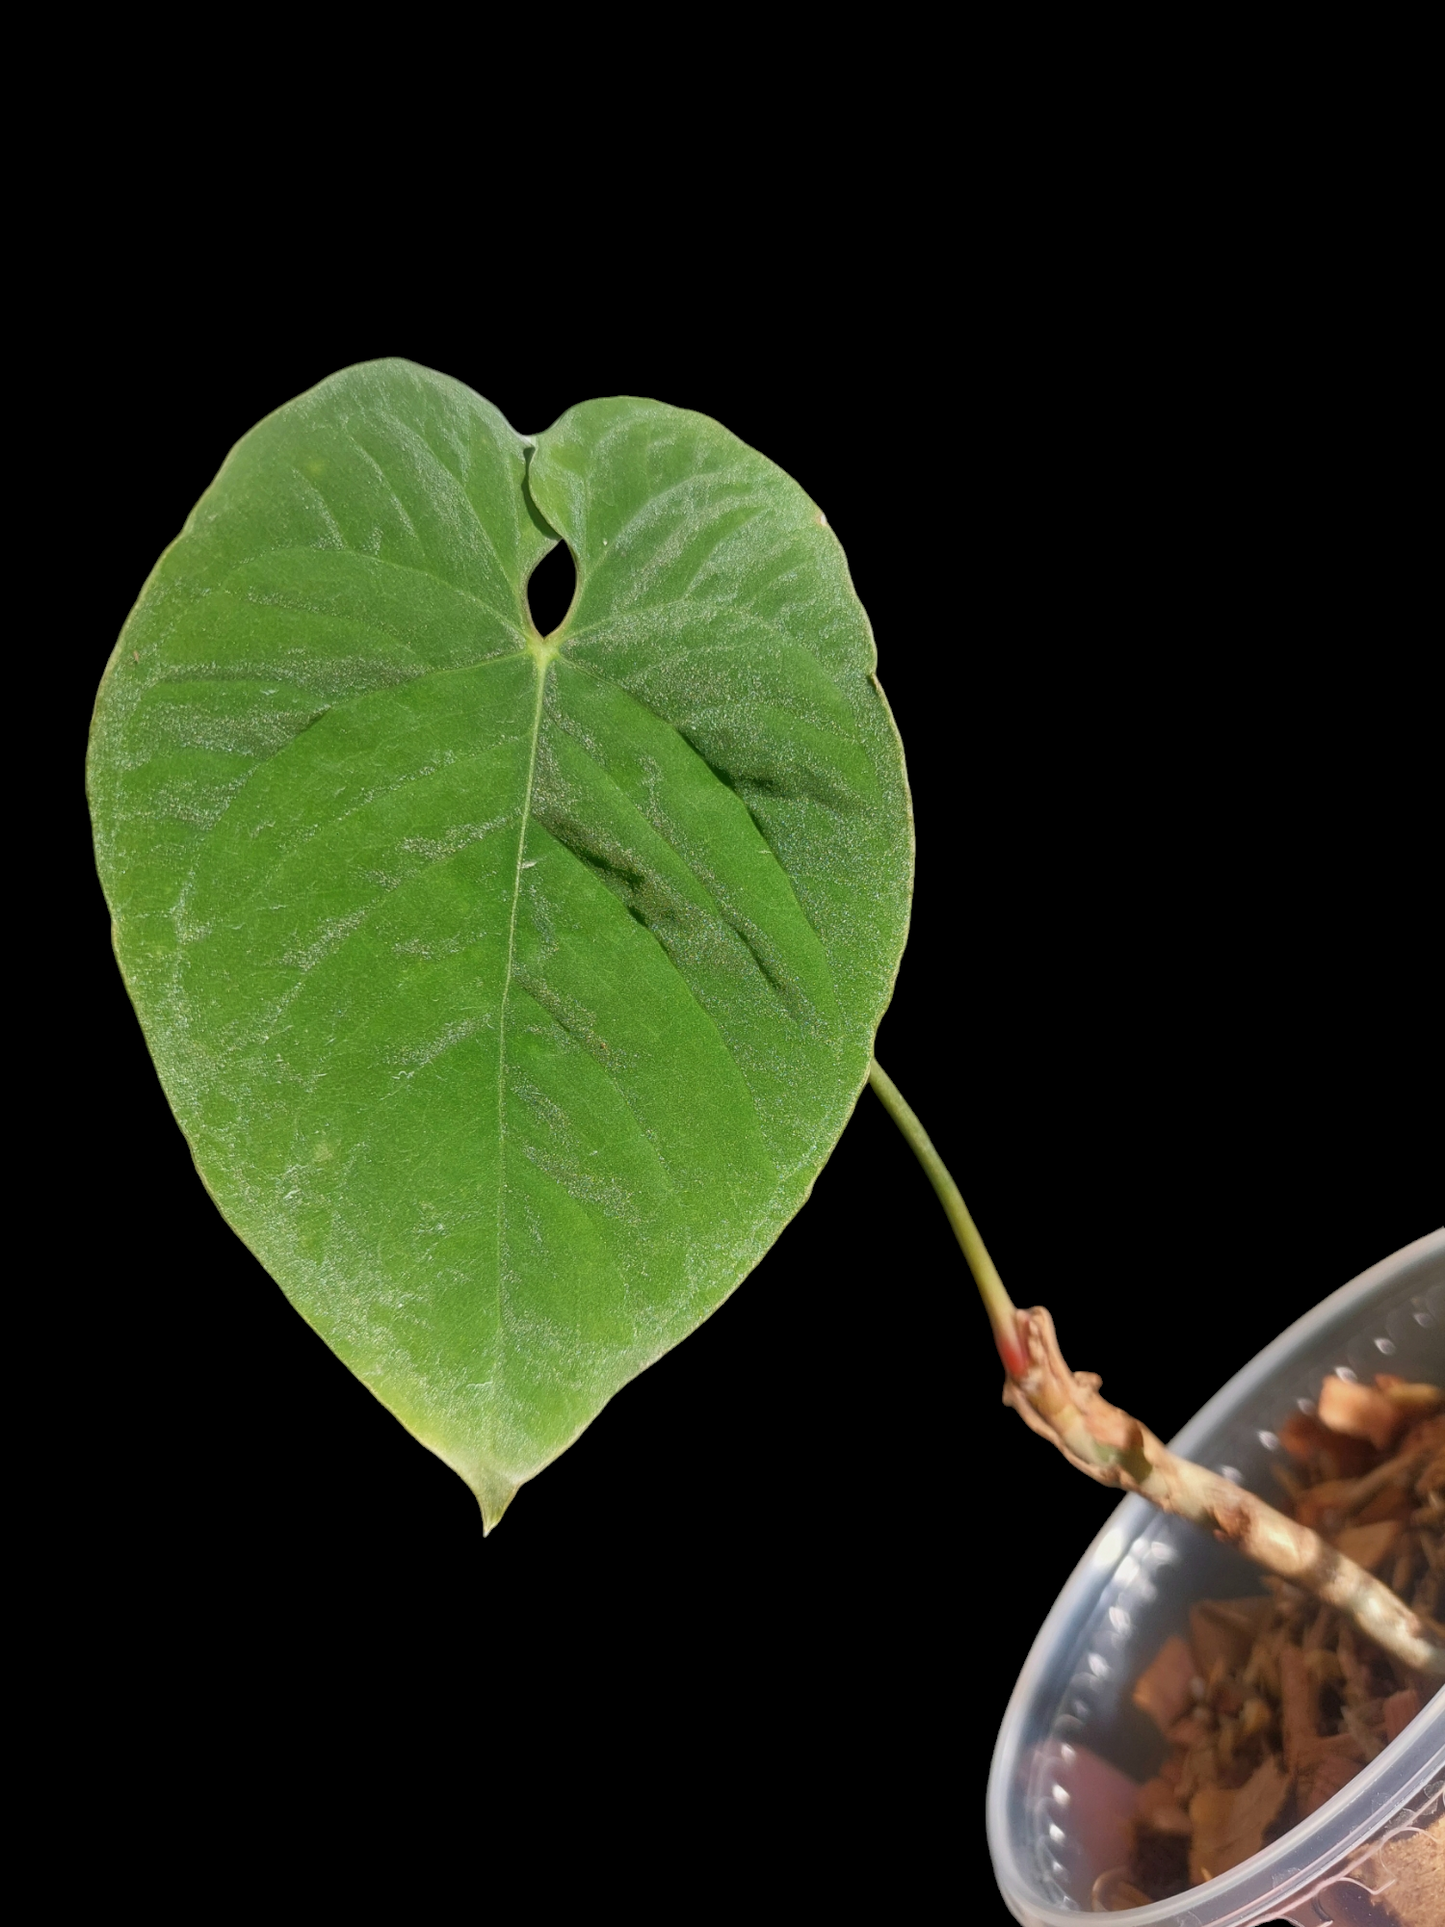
{"type": "Point", "coordinates": [550, 589]}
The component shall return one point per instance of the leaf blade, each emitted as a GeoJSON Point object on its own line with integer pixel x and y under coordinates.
{"type": "Point", "coordinates": [374, 851]}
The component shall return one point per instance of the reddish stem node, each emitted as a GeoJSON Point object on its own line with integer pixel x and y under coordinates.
{"type": "Point", "coordinates": [1013, 1346]}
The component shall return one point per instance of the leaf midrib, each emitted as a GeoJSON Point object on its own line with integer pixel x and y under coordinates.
{"type": "Point", "coordinates": [542, 668]}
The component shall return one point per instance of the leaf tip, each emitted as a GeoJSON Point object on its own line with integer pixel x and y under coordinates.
{"type": "Point", "coordinates": [494, 1492]}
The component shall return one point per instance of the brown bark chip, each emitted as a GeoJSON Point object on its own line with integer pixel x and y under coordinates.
{"type": "Point", "coordinates": [1428, 1437]}
{"type": "Point", "coordinates": [1226, 1629]}
{"type": "Point", "coordinates": [1359, 1681]}
{"type": "Point", "coordinates": [1209, 1815]}
{"type": "Point", "coordinates": [1390, 1502]}
{"type": "Point", "coordinates": [1333, 1772]}
{"type": "Point", "coordinates": [1229, 1827]}
{"type": "Point", "coordinates": [1302, 1435]}
{"type": "Point", "coordinates": [1359, 1412]}
{"type": "Point", "coordinates": [1369, 1546]}
{"type": "Point", "coordinates": [1299, 1712]}
{"type": "Point", "coordinates": [1399, 1709]}
{"type": "Point", "coordinates": [1415, 1401]}
{"type": "Point", "coordinates": [1157, 1807]}
{"type": "Point", "coordinates": [1326, 1505]}
{"type": "Point", "coordinates": [1163, 1688]}
{"type": "Point", "coordinates": [1257, 1805]}
{"type": "Point", "coordinates": [1188, 1732]}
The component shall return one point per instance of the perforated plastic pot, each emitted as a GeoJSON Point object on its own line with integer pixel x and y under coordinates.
{"type": "Point", "coordinates": [1073, 1748]}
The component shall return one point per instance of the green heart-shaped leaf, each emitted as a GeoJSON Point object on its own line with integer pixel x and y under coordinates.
{"type": "Point", "coordinates": [510, 991]}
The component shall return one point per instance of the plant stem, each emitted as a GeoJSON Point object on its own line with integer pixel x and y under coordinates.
{"type": "Point", "coordinates": [996, 1301]}
{"type": "Point", "coordinates": [1065, 1407]}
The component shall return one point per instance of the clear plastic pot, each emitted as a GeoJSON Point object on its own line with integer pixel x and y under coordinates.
{"type": "Point", "coordinates": [1072, 1746]}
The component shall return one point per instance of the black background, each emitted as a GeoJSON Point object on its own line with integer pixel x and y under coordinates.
{"type": "Point", "coordinates": [1139, 540]}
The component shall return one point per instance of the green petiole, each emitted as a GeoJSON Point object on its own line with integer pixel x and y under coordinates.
{"type": "Point", "coordinates": [996, 1301]}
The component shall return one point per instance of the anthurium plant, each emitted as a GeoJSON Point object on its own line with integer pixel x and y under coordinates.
{"type": "Point", "coordinates": [512, 988]}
